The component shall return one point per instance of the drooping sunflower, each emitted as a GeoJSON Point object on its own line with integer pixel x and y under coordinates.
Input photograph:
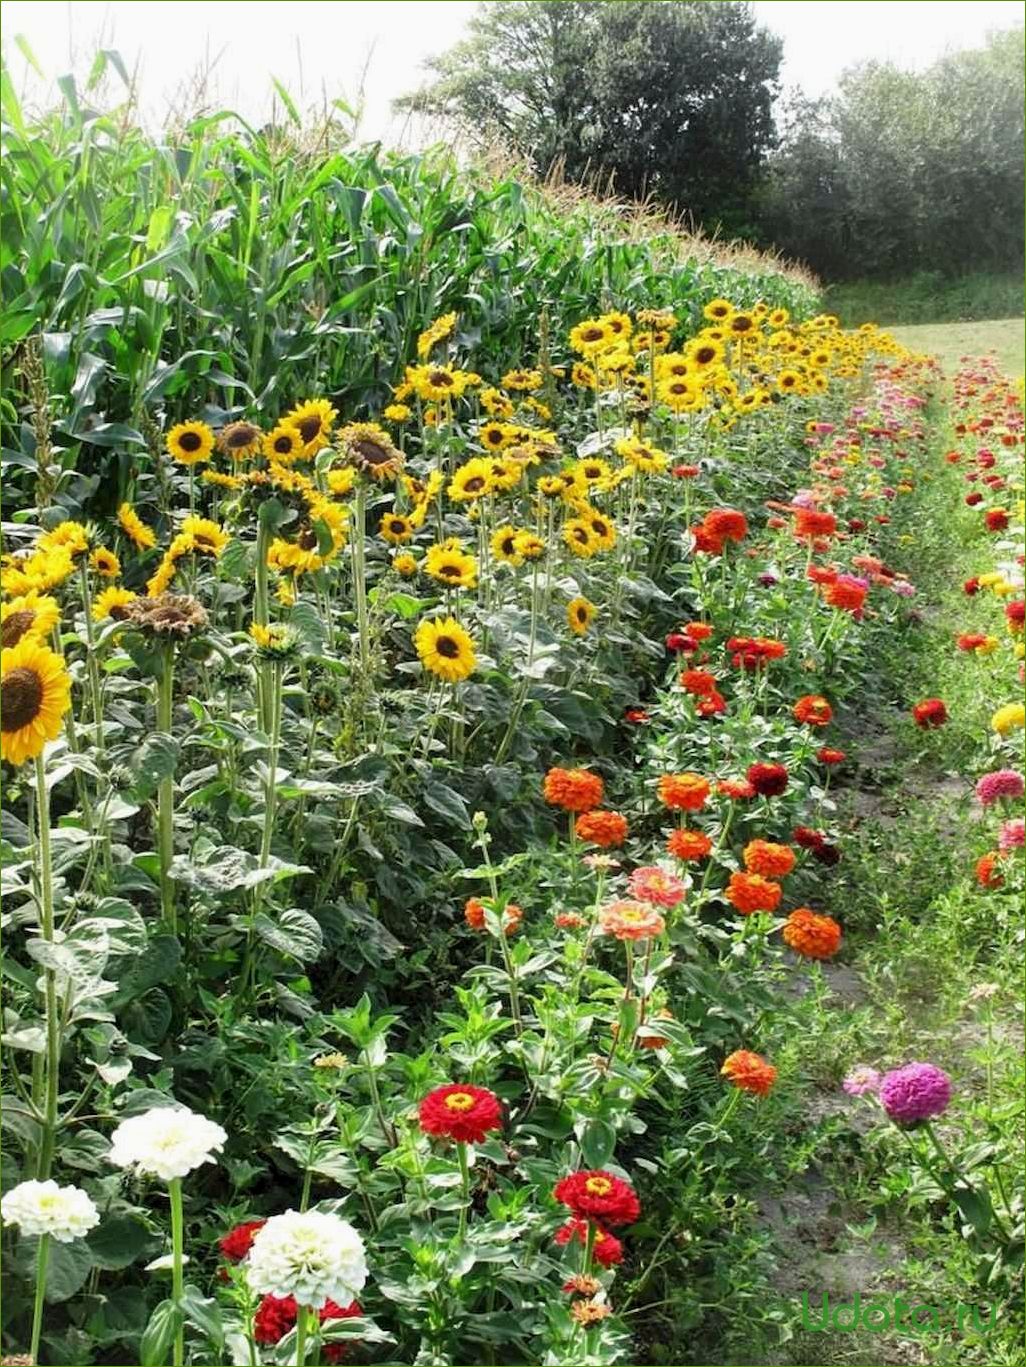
{"type": "Point", "coordinates": [29, 616]}
{"type": "Point", "coordinates": [448, 564]}
{"type": "Point", "coordinates": [284, 444]}
{"type": "Point", "coordinates": [435, 332]}
{"type": "Point", "coordinates": [313, 420]}
{"type": "Point", "coordinates": [371, 451]}
{"type": "Point", "coordinates": [505, 548]}
{"type": "Point", "coordinates": [445, 649]}
{"type": "Point", "coordinates": [105, 563]}
{"type": "Point", "coordinates": [240, 440]}
{"type": "Point", "coordinates": [35, 692]}
{"type": "Point", "coordinates": [579, 614]}
{"type": "Point", "coordinates": [141, 536]}
{"type": "Point", "coordinates": [107, 603]}
{"type": "Point", "coordinates": [578, 536]}
{"type": "Point", "coordinates": [395, 528]}
{"type": "Point", "coordinates": [166, 615]}
{"type": "Point", "coordinates": [497, 404]}
{"type": "Point", "coordinates": [190, 443]}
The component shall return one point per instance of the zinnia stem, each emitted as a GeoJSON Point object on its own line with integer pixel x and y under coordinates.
{"type": "Point", "coordinates": [461, 1150]}
{"type": "Point", "coordinates": [177, 1249]}
{"type": "Point", "coordinates": [49, 980]}
{"type": "Point", "coordinates": [301, 1322]}
{"type": "Point", "coordinates": [166, 795]}
{"type": "Point", "coordinates": [42, 1259]}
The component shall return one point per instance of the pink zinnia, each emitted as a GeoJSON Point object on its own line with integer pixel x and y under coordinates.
{"type": "Point", "coordinates": [1012, 835]}
{"type": "Point", "coordinates": [915, 1092]}
{"type": "Point", "coordinates": [999, 783]}
{"type": "Point", "coordinates": [655, 885]}
{"type": "Point", "coordinates": [860, 1080]}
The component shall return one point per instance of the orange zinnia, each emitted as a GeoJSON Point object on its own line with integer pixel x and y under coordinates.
{"type": "Point", "coordinates": [749, 1071]}
{"type": "Point", "coordinates": [605, 829]}
{"type": "Point", "coordinates": [684, 792]}
{"type": "Point", "coordinates": [631, 920]}
{"type": "Point", "coordinates": [750, 892]}
{"type": "Point", "coordinates": [688, 845]}
{"type": "Point", "coordinates": [813, 710]}
{"type": "Point", "coordinates": [769, 859]}
{"type": "Point", "coordinates": [575, 790]}
{"type": "Point", "coordinates": [815, 936]}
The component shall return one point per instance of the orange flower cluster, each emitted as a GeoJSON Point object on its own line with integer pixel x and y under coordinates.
{"type": "Point", "coordinates": [689, 846]}
{"type": "Point", "coordinates": [768, 859]}
{"type": "Point", "coordinates": [605, 829]}
{"type": "Point", "coordinates": [575, 790]}
{"type": "Point", "coordinates": [750, 1072]}
{"type": "Point", "coordinates": [811, 934]}
{"type": "Point", "coordinates": [813, 710]}
{"type": "Point", "coordinates": [684, 792]}
{"type": "Point", "coordinates": [751, 892]}
{"type": "Point", "coordinates": [474, 915]}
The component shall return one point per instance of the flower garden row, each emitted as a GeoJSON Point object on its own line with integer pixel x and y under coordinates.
{"type": "Point", "coordinates": [296, 644]}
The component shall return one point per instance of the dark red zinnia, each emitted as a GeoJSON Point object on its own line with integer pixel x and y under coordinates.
{"type": "Point", "coordinates": [930, 713]}
{"type": "Point", "coordinates": [828, 755]}
{"type": "Point", "coordinates": [768, 780]}
{"type": "Point", "coordinates": [608, 1250]}
{"type": "Point", "coordinates": [599, 1195]}
{"type": "Point", "coordinates": [808, 838]}
{"type": "Point", "coordinates": [276, 1316]}
{"type": "Point", "coordinates": [238, 1241]}
{"type": "Point", "coordinates": [460, 1111]}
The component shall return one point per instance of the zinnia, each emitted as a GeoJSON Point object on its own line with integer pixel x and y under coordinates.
{"type": "Point", "coordinates": [607, 1250]}
{"type": "Point", "coordinates": [310, 1255]}
{"type": "Point", "coordinates": [655, 885]}
{"type": "Point", "coordinates": [999, 784]}
{"type": "Point", "coordinates": [605, 829]}
{"type": "Point", "coordinates": [828, 755]}
{"type": "Point", "coordinates": [238, 1241]}
{"type": "Point", "coordinates": [631, 920]}
{"type": "Point", "coordinates": [1012, 834]}
{"type": "Point", "coordinates": [167, 1141]}
{"type": "Point", "coordinates": [768, 780]}
{"type": "Point", "coordinates": [1009, 718]}
{"type": "Point", "coordinates": [276, 1316]}
{"type": "Point", "coordinates": [915, 1092]}
{"type": "Point", "coordinates": [750, 892]}
{"type": "Point", "coordinates": [688, 845]}
{"type": "Point", "coordinates": [575, 790]}
{"type": "Point", "coordinates": [986, 870]}
{"type": "Point", "coordinates": [813, 710]}
{"type": "Point", "coordinates": [860, 1080]}
{"type": "Point", "coordinates": [930, 713]}
{"type": "Point", "coordinates": [598, 1195]}
{"type": "Point", "coordinates": [38, 1208]}
{"type": "Point", "coordinates": [750, 1072]}
{"type": "Point", "coordinates": [811, 934]}
{"type": "Point", "coordinates": [768, 858]}
{"type": "Point", "coordinates": [461, 1112]}
{"type": "Point", "coordinates": [684, 792]}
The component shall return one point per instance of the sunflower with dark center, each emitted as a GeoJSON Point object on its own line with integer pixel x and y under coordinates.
{"type": "Point", "coordinates": [445, 649]}
{"type": "Point", "coordinates": [166, 615]}
{"type": "Point", "coordinates": [313, 420]}
{"type": "Point", "coordinates": [32, 614]}
{"type": "Point", "coordinates": [471, 481]}
{"type": "Point", "coordinates": [602, 530]}
{"type": "Point", "coordinates": [395, 528]}
{"type": "Point", "coordinates": [240, 439]}
{"type": "Point", "coordinates": [505, 548]}
{"type": "Point", "coordinates": [741, 324]}
{"type": "Point", "coordinates": [579, 614]}
{"type": "Point", "coordinates": [284, 445]}
{"type": "Point", "coordinates": [577, 535]}
{"type": "Point", "coordinates": [190, 443]}
{"type": "Point", "coordinates": [370, 449]}
{"type": "Point", "coordinates": [35, 692]}
{"type": "Point", "coordinates": [454, 568]}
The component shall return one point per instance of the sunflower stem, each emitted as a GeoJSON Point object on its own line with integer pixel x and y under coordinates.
{"type": "Point", "coordinates": [166, 795]}
{"type": "Point", "coordinates": [359, 576]}
{"type": "Point", "coordinates": [92, 663]}
{"type": "Point", "coordinates": [46, 1145]}
{"type": "Point", "coordinates": [42, 1258]}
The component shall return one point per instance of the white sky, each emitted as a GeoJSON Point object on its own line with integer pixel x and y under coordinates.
{"type": "Point", "coordinates": [318, 49]}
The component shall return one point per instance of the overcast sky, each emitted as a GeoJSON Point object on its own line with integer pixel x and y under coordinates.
{"type": "Point", "coordinates": [332, 48]}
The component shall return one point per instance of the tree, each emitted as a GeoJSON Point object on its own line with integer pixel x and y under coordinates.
{"type": "Point", "coordinates": [671, 99]}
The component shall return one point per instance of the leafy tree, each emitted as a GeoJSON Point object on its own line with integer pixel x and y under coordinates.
{"type": "Point", "coordinates": [670, 99]}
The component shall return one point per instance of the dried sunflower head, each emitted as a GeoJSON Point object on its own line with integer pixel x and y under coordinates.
{"type": "Point", "coordinates": [167, 615]}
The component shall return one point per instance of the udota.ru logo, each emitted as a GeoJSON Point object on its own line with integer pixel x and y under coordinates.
{"type": "Point", "coordinates": [883, 1313]}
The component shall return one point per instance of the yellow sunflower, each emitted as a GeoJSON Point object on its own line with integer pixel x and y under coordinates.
{"type": "Point", "coordinates": [496, 403]}
{"type": "Point", "coordinates": [104, 603]}
{"type": "Point", "coordinates": [529, 546]}
{"type": "Point", "coordinates": [448, 564]}
{"type": "Point", "coordinates": [649, 460]}
{"type": "Point", "coordinates": [591, 336]}
{"type": "Point", "coordinates": [190, 443]}
{"type": "Point", "coordinates": [718, 310]}
{"type": "Point", "coordinates": [313, 421]}
{"type": "Point", "coordinates": [445, 649]}
{"type": "Point", "coordinates": [578, 536]}
{"type": "Point", "coordinates": [396, 529]}
{"type": "Point", "coordinates": [704, 355]}
{"type": "Point", "coordinates": [207, 537]}
{"type": "Point", "coordinates": [602, 529]}
{"type": "Point", "coordinates": [619, 325]}
{"type": "Point", "coordinates": [105, 562]}
{"type": "Point", "coordinates": [583, 376]}
{"type": "Point", "coordinates": [789, 382]}
{"type": "Point", "coordinates": [341, 481]}
{"type": "Point", "coordinates": [504, 546]}
{"type": "Point", "coordinates": [69, 536]}
{"type": "Point", "coordinates": [284, 444]}
{"type": "Point", "coordinates": [405, 564]}
{"type": "Point", "coordinates": [397, 412]}
{"type": "Point", "coordinates": [579, 614]}
{"type": "Point", "coordinates": [35, 692]}
{"type": "Point", "coordinates": [472, 481]}
{"type": "Point", "coordinates": [141, 536]}
{"type": "Point", "coordinates": [30, 615]}
{"type": "Point", "coordinates": [371, 450]}
{"type": "Point", "coordinates": [493, 436]}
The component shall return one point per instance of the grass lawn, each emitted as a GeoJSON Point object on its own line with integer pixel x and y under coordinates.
{"type": "Point", "coordinates": [948, 341]}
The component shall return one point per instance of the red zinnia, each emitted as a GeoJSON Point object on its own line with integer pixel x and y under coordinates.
{"type": "Point", "coordinates": [986, 874]}
{"type": "Point", "coordinates": [598, 1195]}
{"type": "Point", "coordinates": [238, 1241]}
{"type": "Point", "coordinates": [810, 522]}
{"type": "Point", "coordinates": [276, 1316]}
{"type": "Point", "coordinates": [699, 682]}
{"type": "Point", "coordinates": [973, 498]}
{"type": "Point", "coordinates": [828, 755]}
{"type": "Point", "coordinates": [930, 713]}
{"type": "Point", "coordinates": [726, 524]}
{"type": "Point", "coordinates": [461, 1112]}
{"type": "Point", "coordinates": [749, 1071]}
{"type": "Point", "coordinates": [808, 838]}
{"type": "Point", "coordinates": [813, 710]}
{"type": "Point", "coordinates": [738, 789]}
{"type": "Point", "coordinates": [997, 520]}
{"type": "Point", "coordinates": [768, 780]}
{"type": "Point", "coordinates": [1015, 613]}
{"type": "Point", "coordinates": [608, 1250]}
{"type": "Point", "coordinates": [971, 587]}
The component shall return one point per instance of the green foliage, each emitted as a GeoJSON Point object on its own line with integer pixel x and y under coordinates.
{"type": "Point", "coordinates": [927, 297]}
{"type": "Point", "coordinates": [669, 100]}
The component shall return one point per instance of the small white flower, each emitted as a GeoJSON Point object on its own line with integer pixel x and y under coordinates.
{"type": "Point", "coordinates": [165, 1263]}
{"type": "Point", "coordinates": [168, 1141]}
{"type": "Point", "coordinates": [312, 1256]}
{"type": "Point", "coordinates": [65, 1213]}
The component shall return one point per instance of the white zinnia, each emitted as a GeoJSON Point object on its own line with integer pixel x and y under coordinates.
{"type": "Point", "coordinates": [65, 1213]}
{"type": "Point", "coordinates": [310, 1255]}
{"type": "Point", "coordinates": [168, 1141]}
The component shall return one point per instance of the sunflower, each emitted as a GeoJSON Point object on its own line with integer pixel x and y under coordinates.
{"type": "Point", "coordinates": [448, 564]}
{"type": "Point", "coordinates": [207, 537]}
{"type": "Point", "coordinates": [445, 649]}
{"type": "Point", "coordinates": [552, 486]}
{"type": "Point", "coordinates": [166, 615]}
{"type": "Point", "coordinates": [397, 412]}
{"type": "Point", "coordinates": [341, 481]}
{"type": "Point", "coordinates": [240, 439]}
{"type": "Point", "coordinates": [529, 546]}
{"type": "Point", "coordinates": [680, 395]}
{"type": "Point", "coordinates": [105, 563]}
{"type": "Point", "coordinates": [507, 474]}
{"type": "Point", "coordinates": [789, 382]}
{"type": "Point", "coordinates": [105, 604]}
{"type": "Point", "coordinates": [619, 325]}
{"type": "Point", "coordinates": [37, 572]}
{"type": "Point", "coordinates": [704, 354]}
{"type": "Point", "coordinates": [436, 382]}
{"type": "Point", "coordinates": [741, 324]}
{"type": "Point", "coordinates": [141, 536]}
{"type": "Point", "coordinates": [649, 460]}
{"type": "Point", "coordinates": [435, 332]}
{"type": "Point", "coordinates": [505, 548]}
{"type": "Point", "coordinates": [405, 564]}
{"type": "Point", "coordinates": [493, 436]}
{"type": "Point", "coordinates": [396, 529]}
{"type": "Point", "coordinates": [29, 616]}
{"type": "Point", "coordinates": [579, 613]}
{"type": "Point", "coordinates": [496, 403]}
{"type": "Point", "coordinates": [472, 481]}
{"type": "Point", "coordinates": [593, 470]}
{"type": "Point", "coordinates": [35, 692]}
{"type": "Point", "coordinates": [190, 443]}
{"type": "Point", "coordinates": [583, 376]}
{"type": "Point", "coordinates": [275, 641]}
{"type": "Point", "coordinates": [370, 449]}
{"type": "Point", "coordinates": [718, 310]}
{"type": "Point", "coordinates": [590, 336]}
{"type": "Point", "coordinates": [578, 536]}
{"type": "Point", "coordinates": [602, 529]}
{"type": "Point", "coordinates": [69, 536]}
{"type": "Point", "coordinates": [617, 361]}
{"type": "Point", "coordinates": [522, 379]}
{"type": "Point", "coordinates": [284, 444]}
{"type": "Point", "coordinates": [313, 421]}
{"type": "Point", "coordinates": [219, 480]}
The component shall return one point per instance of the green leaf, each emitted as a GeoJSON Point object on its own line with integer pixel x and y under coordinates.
{"type": "Point", "coordinates": [156, 964]}
{"type": "Point", "coordinates": [446, 802]}
{"type": "Point", "coordinates": [295, 933]}
{"type": "Point", "coordinates": [974, 1204]}
{"type": "Point", "coordinates": [203, 1313]}
{"type": "Point", "coordinates": [118, 1241]}
{"type": "Point", "coordinates": [67, 1267]}
{"type": "Point", "coordinates": [159, 1334]}
{"type": "Point", "coordinates": [227, 869]}
{"type": "Point", "coordinates": [154, 760]}
{"type": "Point", "coordinates": [598, 1142]}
